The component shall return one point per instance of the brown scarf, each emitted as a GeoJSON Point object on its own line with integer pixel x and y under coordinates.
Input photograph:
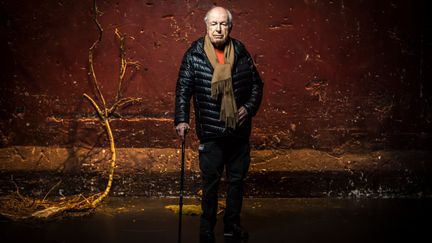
{"type": "Point", "coordinates": [222, 82]}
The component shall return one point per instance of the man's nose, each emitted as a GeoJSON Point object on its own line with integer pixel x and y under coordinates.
{"type": "Point", "coordinates": [218, 28]}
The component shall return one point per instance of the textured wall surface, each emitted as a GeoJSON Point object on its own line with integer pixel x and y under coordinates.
{"type": "Point", "coordinates": [273, 173]}
{"type": "Point", "coordinates": [346, 108]}
{"type": "Point", "coordinates": [338, 74]}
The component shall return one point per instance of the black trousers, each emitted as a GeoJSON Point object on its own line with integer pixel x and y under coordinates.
{"type": "Point", "coordinates": [233, 154]}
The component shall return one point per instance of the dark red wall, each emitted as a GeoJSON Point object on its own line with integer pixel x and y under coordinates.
{"type": "Point", "coordinates": [338, 74]}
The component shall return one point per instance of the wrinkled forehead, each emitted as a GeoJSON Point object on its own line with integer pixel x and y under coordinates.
{"type": "Point", "coordinates": [218, 15]}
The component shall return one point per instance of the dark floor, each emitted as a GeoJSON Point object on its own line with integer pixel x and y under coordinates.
{"type": "Point", "coordinates": [268, 220]}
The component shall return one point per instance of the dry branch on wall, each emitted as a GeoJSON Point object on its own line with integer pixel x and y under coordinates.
{"type": "Point", "coordinates": [19, 207]}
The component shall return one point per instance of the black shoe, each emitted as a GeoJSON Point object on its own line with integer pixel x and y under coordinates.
{"type": "Point", "coordinates": [207, 237]}
{"type": "Point", "coordinates": [236, 232]}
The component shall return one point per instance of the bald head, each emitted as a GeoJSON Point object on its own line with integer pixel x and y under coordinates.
{"type": "Point", "coordinates": [218, 11]}
{"type": "Point", "coordinates": [219, 24]}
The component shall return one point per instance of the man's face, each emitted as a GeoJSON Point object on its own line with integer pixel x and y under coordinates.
{"type": "Point", "coordinates": [218, 28]}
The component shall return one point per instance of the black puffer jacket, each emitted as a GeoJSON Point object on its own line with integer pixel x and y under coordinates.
{"type": "Point", "coordinates": [195, 81]}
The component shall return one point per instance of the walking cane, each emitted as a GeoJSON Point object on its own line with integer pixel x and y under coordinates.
{"type": "Point", "coordinates": [181, 188]}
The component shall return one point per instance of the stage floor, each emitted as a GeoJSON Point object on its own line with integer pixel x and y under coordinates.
{"type": "Point", "coordinates": [127, 219]}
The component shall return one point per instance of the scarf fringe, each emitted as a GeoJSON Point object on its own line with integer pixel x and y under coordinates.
{"type": "Point", "coordinates": [230, 122]}
{"type": "Point", "coordinates": [225, 87]}
{"type": "Point", "coordinates": [220, 86]}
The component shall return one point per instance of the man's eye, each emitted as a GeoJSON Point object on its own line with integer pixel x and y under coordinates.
{"type": "Point", "coordinates": [224, 24]}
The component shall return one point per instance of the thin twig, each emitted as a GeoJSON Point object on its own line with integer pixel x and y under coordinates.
{"type": "Point", "coordinates": [17, 189]}
{"type": "Point", "coordinates": [96, 13]}
{"type": "Point", "coordinates": [91, 66]}
{"type": "Point", "coordinates": [123, 62]}
{"type": "Point", "coordinates": [122, 102]}
{"type": "Point", "coordinates": [52, 188]}
{"type": "Point", "coordinates": [95, 105]}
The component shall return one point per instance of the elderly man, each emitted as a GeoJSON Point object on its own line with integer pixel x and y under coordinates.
{"type": "Point", "coordinates": [220, 75]}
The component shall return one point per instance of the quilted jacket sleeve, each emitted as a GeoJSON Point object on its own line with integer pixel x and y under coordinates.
{"type": "Point", "coordinates": [184, 90]}
{"type": "Point", "coordinates": [254, 101]}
